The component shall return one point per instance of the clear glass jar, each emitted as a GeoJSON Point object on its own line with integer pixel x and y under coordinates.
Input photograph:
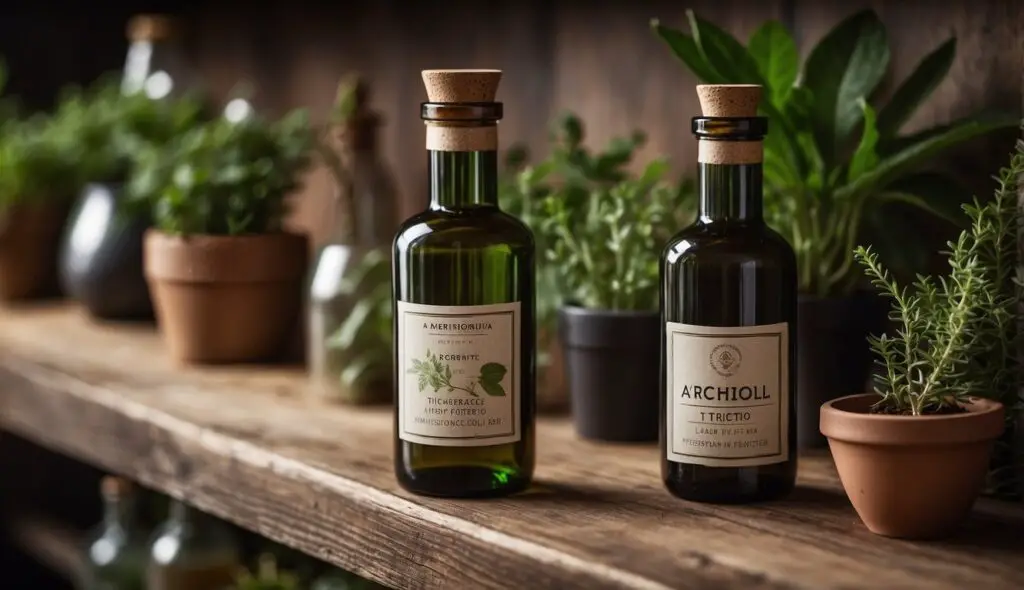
{"type": "Point", "coordinates": [192, 551]}
{"type": "Point", "coordinates": [115, 554]}
{"type": "Point", "coordinates": [351, 273]}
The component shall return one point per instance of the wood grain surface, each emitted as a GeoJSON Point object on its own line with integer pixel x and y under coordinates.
{"type": "Point", "coordinates": [247, 444]}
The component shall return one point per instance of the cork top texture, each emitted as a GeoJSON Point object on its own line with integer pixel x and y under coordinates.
{"type": "Point", "coordinates": [461, 85]}
{"type": "Point", "coordinates": [729, 100]}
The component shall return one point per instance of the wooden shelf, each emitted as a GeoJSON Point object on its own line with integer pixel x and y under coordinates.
{"type": "Point", "coordinates": [246, 444]}
{"type": "Point", "coordinates": [51, 544]}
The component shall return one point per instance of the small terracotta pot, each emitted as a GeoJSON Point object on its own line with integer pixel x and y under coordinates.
{"type": "Point", "coordinates": [224, 299]}
{"type": "Point", "coordinates": [911, 477]}
{"type": "Point", "coordinates": [29, 239]}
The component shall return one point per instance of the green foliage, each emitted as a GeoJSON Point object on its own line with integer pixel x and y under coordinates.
{"type": "Point", "coordinates": [37, 162]}
{"type": "Point", "coordinates": [957, 334]}
{"type": "Point", "coordinates": [580, 188]}
{"type": "Point", "coordinates": [108, 129]}
{"type": "Point", "coordinates": [608, 251]}
{"type": "Point", "coordinates": [94, 134]}
{"type": "Point", "coordinates": [224, 178]}
{"type": "Point", "coordinates": [828, 186]}
{"type": "Point", "coordinates": [267, 577]}
{"type": "Point", "coordinates": [366, 333]}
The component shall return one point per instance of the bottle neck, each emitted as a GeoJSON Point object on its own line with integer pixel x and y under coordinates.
{"type": "Point", "coordinates": [463, 180]}
{"type": "Point", "coordinates": [730, 193]}
{"type": "Point", "coordinates": [117, 512]}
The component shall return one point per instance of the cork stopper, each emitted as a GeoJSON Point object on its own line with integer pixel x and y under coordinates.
{"type": "Point", "coordinates": [115, 487]}
{"type": "Point", "coordinates": [461, 85]}
{"type": "Point", "coordinates": [150, 27]}
{"type": "Point", "coordinates": [729, 100]}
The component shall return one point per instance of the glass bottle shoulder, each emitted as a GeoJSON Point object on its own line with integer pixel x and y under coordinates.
{"type": "Point", "coordinates": [467, 229]}
{"type": "Point", "coordinates": [729, 243]}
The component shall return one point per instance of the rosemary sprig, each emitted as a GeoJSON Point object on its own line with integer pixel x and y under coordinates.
{"type": "Point", "coordinates": [957, 334]}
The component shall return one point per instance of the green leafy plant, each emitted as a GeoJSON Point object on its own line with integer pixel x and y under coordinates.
{"type": "Point", "coordinates": [224, 178]}
{"type": "Point", "coordinates": [575, 183]}
{"type": "Point", "coordinates": [108, 129]}
{"type": "Point", "coordinates": [827, 187]}
{"type": "Point", "coordinates": [608, 252]}
{"type": "Point", "coordinates": [438, 375]}
{"type": "Point", "coordinates": [37, 162]}
{"type": "Point", "coordinates": [957, 334]}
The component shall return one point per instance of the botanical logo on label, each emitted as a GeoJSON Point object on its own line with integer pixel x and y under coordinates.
{"type": "Point", "coordinates": [437, 375]}
{"type": "Point", "coordinates": [725, 359]}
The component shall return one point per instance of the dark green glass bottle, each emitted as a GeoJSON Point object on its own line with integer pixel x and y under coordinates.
{"type": "Point", "coordinates": [464, 310]}
{"type": "Point", "coordinates": [115, 555]}
{"type": "Point", "coordinates": [729, 304]}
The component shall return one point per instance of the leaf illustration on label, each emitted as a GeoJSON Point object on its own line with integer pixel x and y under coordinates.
{"type": "Point", "coordinates": [490, 378]}
{"type": "Point", "coordinates": [437, 375]}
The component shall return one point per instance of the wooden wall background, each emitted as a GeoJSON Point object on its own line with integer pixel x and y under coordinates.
{"type": "Point", "coordinates": [597, 58]}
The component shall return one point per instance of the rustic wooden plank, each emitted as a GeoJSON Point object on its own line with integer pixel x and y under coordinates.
{"type": "Point", "coordinates": [52, 544]}
{"type": "Point", "coordinates": [246, 444]}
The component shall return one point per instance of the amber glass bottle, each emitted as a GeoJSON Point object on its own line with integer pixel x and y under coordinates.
{"type": "Point", "coordinates": [729, 304]}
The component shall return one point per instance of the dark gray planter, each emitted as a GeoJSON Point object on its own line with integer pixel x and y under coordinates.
{"type": "Point", "coordinates": [833, 356]}
{"type": "Point", "coordinates": [612, 361]}
{"type": "Point", "coordinates": [101, 257]}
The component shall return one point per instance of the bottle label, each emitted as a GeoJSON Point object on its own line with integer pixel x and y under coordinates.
{"type": "Point", "coordinates": [459, 374]}
{"type": "Point", "coordinates": [727, 394]}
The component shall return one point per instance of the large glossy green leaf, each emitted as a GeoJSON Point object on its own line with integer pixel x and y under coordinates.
{"type": "Point", "coordinates": [685, 48]}
{"type": "Point", "coordinates": [723, 52]}
{"type": "Point", "coordinates": [943, 195]}
{"type": "Point", "coordinates": [843, 68]}
{"type": "Point", "coordinates": [774, 51]}
{"type": "Point", "coordinates": [906, 160]}
{"type": "Point", "coordinates": [916, 88]}
{"type": "Point", "coordinates": [865, 157]}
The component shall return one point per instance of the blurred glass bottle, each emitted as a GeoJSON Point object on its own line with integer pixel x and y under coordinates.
{"type": "Point", "coordinates": [347, 270]}
{"type": "Point", "coordinates": [157, 63]}
{"type": "Point", "coordinates": [116, 553]}
{"type": "Point", "coordinates": [192, 551]}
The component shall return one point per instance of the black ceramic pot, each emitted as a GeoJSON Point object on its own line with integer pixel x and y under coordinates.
{"type": "Point", "coordinates": [833, 356]}
{"type": "Point", "coordinates": [101, 257]}
{"type": "Point", "coordinates": [612, 360]}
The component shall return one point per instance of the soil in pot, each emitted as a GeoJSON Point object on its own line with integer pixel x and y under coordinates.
{"type": "Point", "coordinates": [224, 299]}
{"type": "Point", "coordinates": [101, 257]}
{"type": "Point", "coordinates": [911, 477]}
{"type": "Point", "coordinates": [833, 356]}
{"type": "Point", "coordinates": [611, 361]}
{"type": "Point", "coordinates": [29, 239]}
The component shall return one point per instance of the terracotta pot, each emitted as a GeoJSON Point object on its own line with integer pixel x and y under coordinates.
{"type": "Point", "coordinates": [912, 477]}
{"type": "Point", "coordinates": [224, 299]}
{"type": "Point", "coordinates": [29, 239]}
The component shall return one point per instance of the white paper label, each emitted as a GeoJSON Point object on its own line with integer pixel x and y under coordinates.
{"type": "Point", "coordinates": [459, 374]}
{"type": "Point", "coordinates": [728, 394]}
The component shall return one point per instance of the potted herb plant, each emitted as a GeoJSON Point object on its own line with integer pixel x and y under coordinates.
{"type": "Point", "coordinates": [101, 251]}
{"type": "Point", "coordinates": [225, 275]}
{"type": "Point", "coordinates": [606, 249]}
{"type": "Point", "coordinates": [913, 455]}
{"type": "Point", "coordinates": [39, 177]}
{"type": "Point", "coordinates": [836, 168]}
{"type": "Point", "coordinates": [574, 172]}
